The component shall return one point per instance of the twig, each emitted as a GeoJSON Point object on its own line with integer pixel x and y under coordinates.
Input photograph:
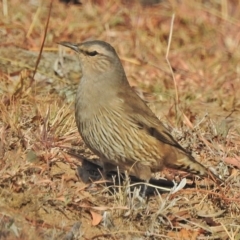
{"type": "Point", "coordinates": [44, 38]}
{"type": "Point", "coordinates": [168, 48]}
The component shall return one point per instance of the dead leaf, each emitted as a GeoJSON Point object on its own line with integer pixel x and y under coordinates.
{"type": "Point", "coordinates": [234, 161]}
{"type": "Point", "coordinates": [96, 218]}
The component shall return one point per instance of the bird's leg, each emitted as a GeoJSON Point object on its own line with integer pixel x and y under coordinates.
{"type": "Point", "coordinates": [145, 186]}
{"type": "Point", "coordinates": [143, 172]}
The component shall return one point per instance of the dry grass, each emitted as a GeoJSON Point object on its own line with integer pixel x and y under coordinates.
{"type": "Point", "coordinates": [41, 196]}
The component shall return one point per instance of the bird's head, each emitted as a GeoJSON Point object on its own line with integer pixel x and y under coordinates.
{"type": "Point", "coordinates": [99, 62]}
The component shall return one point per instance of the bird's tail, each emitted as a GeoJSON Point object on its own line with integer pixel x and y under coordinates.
{"type": "Point", "coordinates": [189, 164]}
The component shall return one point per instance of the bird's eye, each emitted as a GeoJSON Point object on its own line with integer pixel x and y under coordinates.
{"type": "Point", "coordinates": [93, 53]}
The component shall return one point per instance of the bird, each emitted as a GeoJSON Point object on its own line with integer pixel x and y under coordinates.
{"type": "Point", "coordinates": [117, 125]}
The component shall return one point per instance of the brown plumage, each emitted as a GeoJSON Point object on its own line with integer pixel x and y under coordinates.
{"type": "Point", "coordinates": [116, 124]}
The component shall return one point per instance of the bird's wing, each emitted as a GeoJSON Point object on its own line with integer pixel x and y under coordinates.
{"type": "Point", "coordinates": [141, 115]}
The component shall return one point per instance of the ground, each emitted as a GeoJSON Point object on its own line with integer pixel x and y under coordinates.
{"type": "Point", "coordinates": [182, 57]}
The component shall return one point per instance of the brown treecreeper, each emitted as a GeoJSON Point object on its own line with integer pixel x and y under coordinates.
{"type": "Point", "coordinates": [117, 125]}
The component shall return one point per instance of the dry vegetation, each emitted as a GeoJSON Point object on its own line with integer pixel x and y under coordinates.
{"type": "Point", "coordinates": [41, 195]}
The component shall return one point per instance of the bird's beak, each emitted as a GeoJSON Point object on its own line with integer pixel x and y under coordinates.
{"type": "Point", "coordinates": [73, 46]}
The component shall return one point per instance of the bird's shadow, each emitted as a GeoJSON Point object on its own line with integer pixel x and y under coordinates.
{"type": "Point", "coordinates": [92, 171]}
